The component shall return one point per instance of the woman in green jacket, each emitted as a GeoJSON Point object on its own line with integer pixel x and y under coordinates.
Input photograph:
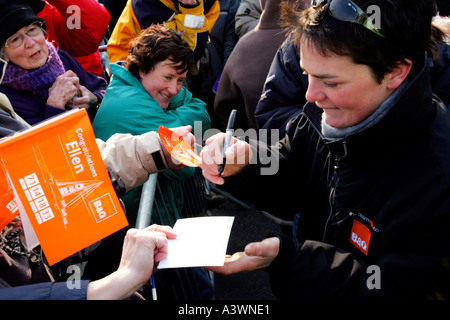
{"type": "Point", "coordinates": [147, 93]}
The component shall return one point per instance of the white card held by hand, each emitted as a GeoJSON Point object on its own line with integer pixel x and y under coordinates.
{"type": "Point", "coordinates": [200, 242]}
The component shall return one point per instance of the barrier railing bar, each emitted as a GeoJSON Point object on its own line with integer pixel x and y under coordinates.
{"type": "Point", "coordinates": [144, 215]}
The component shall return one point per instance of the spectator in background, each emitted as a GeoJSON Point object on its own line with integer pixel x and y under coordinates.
{"type": "Point", "coordinates": [115, 8]}
{"type": "Point", "coordinates": [247, 16]}
{"type": "Point", "coordinates": [40, 80]}
{"type": "Point", "coordinates": [194, 18]}
{"type": "Point", "coordinates": [77, 27]}
{"type": "Point", "coordinates": [243, 77]}
{"type": "Point", "coordinates": [283, 94]}
{"type": "Point", "coordinates": [223, 38]}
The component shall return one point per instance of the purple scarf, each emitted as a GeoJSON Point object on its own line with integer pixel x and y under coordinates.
{"type": "Point", "coordinates": [39, 80]}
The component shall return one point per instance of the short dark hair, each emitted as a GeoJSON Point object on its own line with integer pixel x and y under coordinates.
{"type": "Point", "coordinates": [406, 25]}
{"type": "Point", "coordinates": [155, 44]}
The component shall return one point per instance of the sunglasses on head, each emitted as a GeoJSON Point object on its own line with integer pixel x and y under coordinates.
{"type": "Point", "coordinates": [348, 11]}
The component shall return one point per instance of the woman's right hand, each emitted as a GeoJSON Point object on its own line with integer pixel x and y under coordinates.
{"type": "Point", "coordinates": [237, 155]}
{"type": "Point", "coordinates": [65, 88]}
{"type": "Point", "coordinates": [141, 250]}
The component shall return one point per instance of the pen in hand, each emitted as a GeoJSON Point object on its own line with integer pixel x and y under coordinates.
{"type": "Point", "coordinates": [153, 285]}
{"type": "Point", "coordinates": [228, 134]}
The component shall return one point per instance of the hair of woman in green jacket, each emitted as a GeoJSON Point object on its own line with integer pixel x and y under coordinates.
{"type": "Point", "coordinates": [155, 44]}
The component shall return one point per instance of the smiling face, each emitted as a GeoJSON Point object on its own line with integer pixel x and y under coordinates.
{"type": "Point", "coordinates": [347, 92]}
{"type": "Point", "coordinates": [163, 82]}
{"type": "Point", "coordinates": [31, 54]}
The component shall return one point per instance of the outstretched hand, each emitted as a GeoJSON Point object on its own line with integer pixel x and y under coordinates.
{"type": "Point", "coordinates": [257, 255]}
{"type": "Point", "coordinates": [141, 250]}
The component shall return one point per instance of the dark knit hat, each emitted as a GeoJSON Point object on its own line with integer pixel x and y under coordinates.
{"type": "Point", "coordinates": [14, 15]}
{"type": "Point", "coordinates": [37, 5]}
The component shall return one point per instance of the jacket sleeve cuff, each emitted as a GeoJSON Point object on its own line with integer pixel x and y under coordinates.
{"type": "Point", "coordinates": [61, 291]}
{"type": "Point", "coordinates": [285, 255]}
{"type": "Point", "coordinates": [46, 291]}
{"type": "Point", "coordinates": [133, 158]}
{"type": "Point", "coordinates": [151, 146]}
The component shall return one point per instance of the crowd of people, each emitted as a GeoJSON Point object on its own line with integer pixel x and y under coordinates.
{"type": "Point", "coordinates": [360, 100]}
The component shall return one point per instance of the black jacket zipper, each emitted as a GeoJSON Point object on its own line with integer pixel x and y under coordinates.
{"type": "Point", "coordinates": [332, 192]}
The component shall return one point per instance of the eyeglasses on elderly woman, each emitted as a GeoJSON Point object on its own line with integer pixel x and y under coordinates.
{"type": "Point", "coordinates": [33, 30]}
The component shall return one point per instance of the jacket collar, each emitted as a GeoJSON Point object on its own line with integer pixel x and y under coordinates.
{"type": "Point", "coordinates": [410, 113]}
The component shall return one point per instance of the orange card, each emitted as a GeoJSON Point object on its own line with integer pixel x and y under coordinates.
{"type": "Point", "coordinates": [178, 148]}
{"type": "Point", "coordinates": [62, 184]}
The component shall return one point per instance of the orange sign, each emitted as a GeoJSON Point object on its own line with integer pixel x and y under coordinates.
{"type": "Point", "coordinates": [62, 183]}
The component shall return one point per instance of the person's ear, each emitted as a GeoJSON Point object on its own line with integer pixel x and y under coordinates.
{"type": "Point", "coordinates": [399, 74]}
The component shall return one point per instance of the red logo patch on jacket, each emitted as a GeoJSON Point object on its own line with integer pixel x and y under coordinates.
{"type": "Point", "coordinates": [360, 237]}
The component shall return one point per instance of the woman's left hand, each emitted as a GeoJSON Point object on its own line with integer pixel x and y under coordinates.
{"type": "Point", "coordinates": [86, 100]}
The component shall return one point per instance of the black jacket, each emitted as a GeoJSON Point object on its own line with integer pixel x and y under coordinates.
{"type": "Point", "coordinates": [390, 182]}
{"type": "Point", "coordinates": [284, 90]}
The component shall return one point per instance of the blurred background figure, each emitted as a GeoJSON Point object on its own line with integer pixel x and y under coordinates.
{"type": "Point", "coordinates": [247, 16]}
{"type": "Point", "coordinates": [194, 18]}
{"type": "Point", "coordinates": [221, 43]}
{"type": "Point", "coordinates": [244, 74]}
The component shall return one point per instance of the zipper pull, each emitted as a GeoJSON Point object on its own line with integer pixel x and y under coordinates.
{"type": "Point", "coordinates": [334, 177]}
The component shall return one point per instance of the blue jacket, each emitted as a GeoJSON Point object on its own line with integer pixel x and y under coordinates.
{"type": "Point", "coordinates": [45, 291]}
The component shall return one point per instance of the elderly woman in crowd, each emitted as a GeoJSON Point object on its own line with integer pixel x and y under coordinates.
{"type": "Point", "coordinates": [41, 81]}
